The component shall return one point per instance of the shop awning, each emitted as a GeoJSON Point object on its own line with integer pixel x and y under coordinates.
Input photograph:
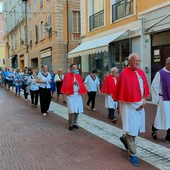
{"type": "Point", "coordinates": [96, 45]}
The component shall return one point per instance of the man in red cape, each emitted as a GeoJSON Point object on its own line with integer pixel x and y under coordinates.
{"type": "Point", "coordinates": [108, 88]}
{"type": "Point", "coordinates": [73, 87]}
{"type": "Point", "coordinates": [131, 91]}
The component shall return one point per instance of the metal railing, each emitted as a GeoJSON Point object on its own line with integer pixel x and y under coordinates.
{"type": "Point", "coordinates": [122, 9]}
{"type": "Point", "coordinates": [96, 20]}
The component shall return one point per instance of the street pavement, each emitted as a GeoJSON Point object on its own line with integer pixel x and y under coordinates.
{"type": "Point", "coordinates": [29, 141]}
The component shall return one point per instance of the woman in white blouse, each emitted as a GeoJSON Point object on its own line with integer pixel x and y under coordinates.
{"type": "Point", "coordinates": [44, 80]}
{"type": "Point", "coordinates": [59, 81]}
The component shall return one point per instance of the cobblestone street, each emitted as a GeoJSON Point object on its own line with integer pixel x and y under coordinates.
{"type": "Point", "coordinates": [29, 141]}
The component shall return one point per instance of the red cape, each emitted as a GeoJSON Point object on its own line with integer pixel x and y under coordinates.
{"type": "Point", "coordinates": [108, 86]}
{"type": "Point", "coordinates": [128, 88]}
{"type": "Point", "coordinates": [67, 85]}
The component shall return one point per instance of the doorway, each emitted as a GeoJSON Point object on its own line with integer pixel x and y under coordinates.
{"type": "Point", "coordinates": [158, 59]}
{"type": "Point", "coordinates": [34, 63]}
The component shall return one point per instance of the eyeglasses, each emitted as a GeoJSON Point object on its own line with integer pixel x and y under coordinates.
{"type": "Point", "coordinates": [137, 61]}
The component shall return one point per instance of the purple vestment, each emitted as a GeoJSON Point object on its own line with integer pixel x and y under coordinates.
{"type": "Point", "coordinates": [165, 82]}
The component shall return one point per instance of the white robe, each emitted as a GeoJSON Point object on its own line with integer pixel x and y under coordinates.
{"type": "Point", "coordinates": [162, 119]}
{"type": "Point", "coordinates": [75, 102]}
{"type": "Point", "coordinates": [109, 103]}
{"type": "Point", "coordinates": [133, 121]}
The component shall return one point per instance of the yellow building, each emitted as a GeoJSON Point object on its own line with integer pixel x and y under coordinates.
{"type": "Point", "coordinates": [48, 35]}
{"type": "Point", "coordinates": [2, 44]}
{"type": "Point", "coordinates": [112, 29]}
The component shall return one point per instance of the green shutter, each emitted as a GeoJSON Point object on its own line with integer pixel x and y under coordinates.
{"type": "Point", "coordinates": [70, 20]}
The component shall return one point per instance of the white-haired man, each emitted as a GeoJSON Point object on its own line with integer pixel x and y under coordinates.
{"type": "Point", "coordinates": [160, 91]}
{"type": "Point", "coordinates": [131, 91]}
{"type": "Point", "coordinates": [108, 88]}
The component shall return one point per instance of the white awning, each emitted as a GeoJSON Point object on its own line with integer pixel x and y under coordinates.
{"type": "Point", "coordinates": [95, 46]}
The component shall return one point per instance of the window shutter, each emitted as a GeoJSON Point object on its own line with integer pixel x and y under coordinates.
{"type": "Point", "coordinates": [70, 20]}
{"type": "Point", "coordinates": [50, 24]}
{"type": "Point", "coordinates": [36, 33]}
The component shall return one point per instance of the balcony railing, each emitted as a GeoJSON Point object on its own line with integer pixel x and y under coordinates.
{"type": "Point", "coordinates": [122, 9]}
{"type": "Point", "coordinates": [96, 20]}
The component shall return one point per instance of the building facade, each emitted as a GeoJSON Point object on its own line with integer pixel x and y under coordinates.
{"type": "Point", "coordinates": [48, 31]}
{"type": "Point", "coordinates": [2, 44]}
{"type": "Point", "coordinates": [15, 33]}
{"type": "Point", "coordinates": [112, 29]}
{"type": "Point", "coordinates": [50, 46]}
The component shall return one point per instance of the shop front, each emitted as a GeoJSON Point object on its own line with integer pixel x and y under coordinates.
{"type": "Point", "coordinates": [101, 53]}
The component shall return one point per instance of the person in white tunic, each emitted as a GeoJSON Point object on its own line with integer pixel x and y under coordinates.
{"type": "Point", "coordinates": [73, 87]}
{"type": "Point", "coordinates": [131, 91]}
{"type": "Point", "coordinates": [160, 91]}
{"type": "Point", "coordinates": [108, 88]}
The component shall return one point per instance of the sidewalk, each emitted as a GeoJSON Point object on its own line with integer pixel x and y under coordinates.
{"type": "Point", "coordinates": [102, 113]}
{"type": "Point", "coordinates": [29, 141]}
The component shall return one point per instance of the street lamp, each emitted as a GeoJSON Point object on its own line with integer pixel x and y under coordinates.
{"type": "Point", "coordinates": [47, 28]}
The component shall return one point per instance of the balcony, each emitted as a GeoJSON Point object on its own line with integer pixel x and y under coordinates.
{"type": "Point", "coordinates": [96, 20]}
{"type": "Point", "coordinates": [122, 9]}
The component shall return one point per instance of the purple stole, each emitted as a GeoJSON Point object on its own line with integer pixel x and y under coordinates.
{"type": "Point", "coordinates": [165, 82]}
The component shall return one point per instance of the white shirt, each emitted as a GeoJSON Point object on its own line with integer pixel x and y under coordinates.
{"type": "Point", "coordinates": [92, 85]}
{"type": "Point", "coordinates": [34, 86]}
{"type": "Point", "coordinates": [58, 77]}
{"type": "Point", "coordinates": [45, 80]}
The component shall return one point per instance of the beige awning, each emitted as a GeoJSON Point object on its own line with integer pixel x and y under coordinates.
{"type": "Point", "coordinates": [95, 46]}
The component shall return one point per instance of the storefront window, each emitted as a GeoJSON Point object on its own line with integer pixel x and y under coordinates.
{"type": "Point", "coordinates": [100, 62]}
{"type": "Point", "coordinates": [120, 54]}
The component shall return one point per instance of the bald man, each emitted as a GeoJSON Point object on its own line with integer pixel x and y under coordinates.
{"type": "Point", "coordinates": [108, 88]}
{"type": "Point", "coordinates": [131, 91]}
{"type": "Point", "coordinates": [160, 91]}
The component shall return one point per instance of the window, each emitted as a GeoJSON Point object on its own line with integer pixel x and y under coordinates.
{"type": "Point", "coordinates": [35, 6]}
{"type": "Point", "coordinates": [20, 35]}
{"type": "Point", "coordinates": [25, 34]}
{"type": "Point", "coordinates": [29, 11]}
{"type": "Point", "coordinates": [42, 30]}
{"type": "Point", "coordinates": [36, 34]}
{"type": "Point", "coordinates": [30, 38]}
{"type": "Point", "coordinates": [41, 3]}
{"type": "Point", "coordinates": [96, 18]}
{"type": "Point", "coordinates": [50, 24]}
{"type": "Point", "coordinates": [76, 22]}
{"type": "Point", "coordinates": [122, 8]}
{"type": "Point", "coordinates": [15, 40]}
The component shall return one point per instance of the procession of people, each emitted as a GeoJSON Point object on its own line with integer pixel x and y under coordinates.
{"type": "Point", "coordinates": [125, 93]}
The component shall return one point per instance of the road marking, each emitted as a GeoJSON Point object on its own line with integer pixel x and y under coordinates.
{"type": "Point", "coordinates": [154, 154]}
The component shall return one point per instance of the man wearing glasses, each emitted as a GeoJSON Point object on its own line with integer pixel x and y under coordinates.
{"type": "Point", "coordinates": [131, 91]}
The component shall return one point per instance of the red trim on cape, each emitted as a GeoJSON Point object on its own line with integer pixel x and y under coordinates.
{"type": "Point", "coordinates": [128, 88]}
{"type": "Point", "coordinates": [109, 85]}
{"type": "Point", "coordinates": [67, 85]}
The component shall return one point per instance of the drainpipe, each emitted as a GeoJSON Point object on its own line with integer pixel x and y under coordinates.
{"type": "Point", "coordinates": [67, 28]}
{"type": "Point", "coordinates": [142, 43]}
{"type": "Point", "coordinates": [26, 36]}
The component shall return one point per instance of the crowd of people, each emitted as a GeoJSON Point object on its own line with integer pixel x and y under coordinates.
{"type": "Point", "coordinates": [125, 93]}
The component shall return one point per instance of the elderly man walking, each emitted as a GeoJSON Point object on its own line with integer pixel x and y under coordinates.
{"type": "Point", "coordinates": [73, 86]}
{"type": "Point", "coordinates": [131, 91]}
{"type": "Point", "coordinates": [108, 88]}
{"type": "Point", "coordinates": [160, 91]}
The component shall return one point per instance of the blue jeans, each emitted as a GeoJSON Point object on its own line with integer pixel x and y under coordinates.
{"type": "Point", "coordinates": [18, 89]}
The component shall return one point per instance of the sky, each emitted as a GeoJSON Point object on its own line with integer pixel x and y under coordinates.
{"type": "Point", "coordinates": [0, 6]}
